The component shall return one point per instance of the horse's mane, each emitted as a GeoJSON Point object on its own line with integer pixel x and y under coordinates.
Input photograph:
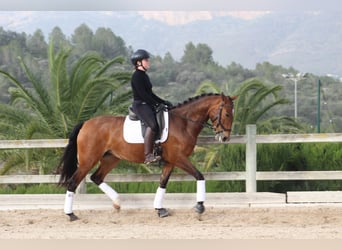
{"type": "Point", "coordinates": [194, 98]}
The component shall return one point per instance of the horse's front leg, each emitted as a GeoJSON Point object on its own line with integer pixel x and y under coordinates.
{"type": "Point", "coordinates": [200, 196]}
{"type": "Point", "coordinates": [186, 165]}
{"type": "Point", "coordinates": [159, 197]}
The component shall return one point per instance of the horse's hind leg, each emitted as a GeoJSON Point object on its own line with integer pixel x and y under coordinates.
{"type": "Point", "coordinates": [74, 181]}
{"type": "Point", "coordinates": [107, 163]}
{"type": "Point", "coordinates": [159, 197]}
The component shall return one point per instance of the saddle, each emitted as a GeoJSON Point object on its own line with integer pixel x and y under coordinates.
{"type": "Point", "coordinates": [159, 117]}
{"type": "Point", "coordinates": [134, 129]}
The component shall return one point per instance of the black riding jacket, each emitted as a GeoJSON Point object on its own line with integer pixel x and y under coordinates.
{"type": "Point", "coordinates": [142, 89]}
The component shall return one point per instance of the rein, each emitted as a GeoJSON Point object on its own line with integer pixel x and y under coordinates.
{"type": "Point", "coordinates": [203, 124]}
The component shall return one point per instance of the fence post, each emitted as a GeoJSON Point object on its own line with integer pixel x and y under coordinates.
{"type": "Point", "coordinates": [251, 151]}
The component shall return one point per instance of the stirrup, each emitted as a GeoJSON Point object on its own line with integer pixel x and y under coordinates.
{"type": "Point", "coordinates": [150, 158]}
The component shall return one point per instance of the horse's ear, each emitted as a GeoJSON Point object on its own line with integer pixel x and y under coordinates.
{"type": "Point", "coordinates": [234, 97]}
{"type": "Point", "coordinates": [223, 96]}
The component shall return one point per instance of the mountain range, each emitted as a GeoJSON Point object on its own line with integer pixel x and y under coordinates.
{"type": "Point", "coordinates": [307, 41]}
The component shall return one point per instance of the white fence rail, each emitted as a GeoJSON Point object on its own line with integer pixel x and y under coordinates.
{"type": "Point", "coordinates": [250, 176]}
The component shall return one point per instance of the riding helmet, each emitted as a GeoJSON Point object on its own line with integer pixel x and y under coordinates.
{"type": "Point", "coordinates": [139, 55]}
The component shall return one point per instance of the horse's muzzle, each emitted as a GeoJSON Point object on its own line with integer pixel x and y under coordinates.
{"type": "Point", "coordinates": [226, 138]}
{"type": "Point", "coordinates": [221, 137]}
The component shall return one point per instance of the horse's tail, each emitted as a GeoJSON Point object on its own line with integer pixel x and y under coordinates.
{"type": "Point", "coordinates": [68, 163]}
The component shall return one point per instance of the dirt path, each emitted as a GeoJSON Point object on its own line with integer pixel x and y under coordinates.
{"type": "Point", "coordinates": [294, 222]}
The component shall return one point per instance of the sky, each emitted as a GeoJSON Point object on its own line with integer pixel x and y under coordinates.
{"type": "Point", "coordinates": [169, 5]}
{"type": "Point", "coordinates": [14, 19]}
{"type": "Point", "coordinates": [16, 14]}
{"type": "Point", "coordinates": [173, 12]}
{"type": "Point", "coordinates": [183, 17]}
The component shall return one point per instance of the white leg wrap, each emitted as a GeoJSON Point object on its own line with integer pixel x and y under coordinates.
{"type": "Point", "coordinates": [69, 198]}
{"type": "Point", "coordinates": [158, 199]}
{"type": "Point", "coordinates": [200, 190]}
{"type": "Point", "coordinates": [110, 192]}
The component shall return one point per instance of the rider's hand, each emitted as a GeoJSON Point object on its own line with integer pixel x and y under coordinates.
{"type": "Point", "coordinates": [159, 107]}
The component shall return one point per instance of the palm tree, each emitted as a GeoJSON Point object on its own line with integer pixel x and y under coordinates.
{"type": "Point", "coordinates": [52, 109]}
{"type": "Point", "coordinates": [254, 100]}
{"type": "Point", "coordinates": [208, 87]}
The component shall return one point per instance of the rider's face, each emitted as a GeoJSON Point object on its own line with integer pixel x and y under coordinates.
{"type": "Point", "coordinates": [145, 63]}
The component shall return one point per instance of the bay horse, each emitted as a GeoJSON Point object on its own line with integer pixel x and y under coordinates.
{"type": "Point", "coordinates": [100, 140]}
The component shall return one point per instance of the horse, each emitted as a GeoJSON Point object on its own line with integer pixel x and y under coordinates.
{"type": "Point", "coordinates": [100, 140]}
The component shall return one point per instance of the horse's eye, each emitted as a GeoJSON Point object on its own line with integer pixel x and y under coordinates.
{"type": "Point", "coordinates": [227, 115]}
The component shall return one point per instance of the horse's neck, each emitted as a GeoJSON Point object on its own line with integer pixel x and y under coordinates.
{"type": "Point", "coordinates": [195, 111]}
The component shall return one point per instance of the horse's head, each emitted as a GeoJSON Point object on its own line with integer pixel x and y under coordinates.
{"type": "Point", "coordinates": [222, 118]}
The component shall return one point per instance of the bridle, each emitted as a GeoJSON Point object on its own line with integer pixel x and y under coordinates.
{"type": "Point", "coordinates": [218, 118]}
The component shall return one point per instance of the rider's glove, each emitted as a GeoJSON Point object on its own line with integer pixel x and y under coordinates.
{"type": "Point", "coordinates": [159, 107]}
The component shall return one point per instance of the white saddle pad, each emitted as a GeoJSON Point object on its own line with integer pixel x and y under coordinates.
{"type": "Point", "coordinates": [132, 130]}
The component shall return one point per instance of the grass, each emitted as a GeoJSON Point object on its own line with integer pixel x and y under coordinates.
{"type": "Point", "coordinates": [140, 187]}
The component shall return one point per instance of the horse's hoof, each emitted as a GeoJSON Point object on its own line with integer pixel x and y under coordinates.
{"type": "Point", "coordinates": [72, 217]}
{"type": "Point", "coordinates": [116, 205]}
{"type": "Point", "coordinates": [199, 208]}
{"type": "Point", "coordinates": [162, 212]}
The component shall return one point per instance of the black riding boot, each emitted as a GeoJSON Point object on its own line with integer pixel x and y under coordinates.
{"type": "Point", "coordinates": [148, 143]}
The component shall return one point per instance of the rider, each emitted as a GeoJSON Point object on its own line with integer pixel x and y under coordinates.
{"type": "Point", "coordinates": [145, 102]}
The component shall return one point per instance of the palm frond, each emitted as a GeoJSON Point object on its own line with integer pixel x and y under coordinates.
{"type": "Point", "coordinates": [41, 97]}
{"type": "Point", "coordinates": [207, 87]}
{"type": "Point", "coordinates": [262, 111]}
{"type": "Point", "coordinates": [24, 93]}
{"type": "Point", "coordinates": [116, 60]}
